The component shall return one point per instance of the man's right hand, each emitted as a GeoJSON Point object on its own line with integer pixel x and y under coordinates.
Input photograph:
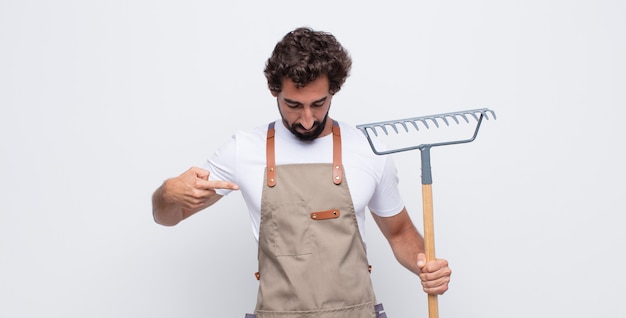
{"type": "Point", "coordinates": [182, 196]}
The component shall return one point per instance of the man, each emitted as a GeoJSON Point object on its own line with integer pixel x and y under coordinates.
{"type": "Point", "coordinates": [308, 222]}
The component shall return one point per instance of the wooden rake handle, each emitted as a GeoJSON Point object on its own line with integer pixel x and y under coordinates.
{"type": "Point", "coordinates": [429, 241]}
{"type": "Point", "coordinates": [429, 224]}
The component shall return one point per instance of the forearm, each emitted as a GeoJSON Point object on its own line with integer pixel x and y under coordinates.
{"type": "Point", "coordinates": [406, 245]}
{"type": "Point", "coordinates": [404, 239]}
{"type": "Point", "coordinates": [164, 212]}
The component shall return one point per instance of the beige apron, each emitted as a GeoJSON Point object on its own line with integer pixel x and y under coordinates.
{"type": "Point", "coordinates": [312, 261]}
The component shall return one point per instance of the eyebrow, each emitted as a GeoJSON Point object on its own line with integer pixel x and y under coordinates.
{"type": "Point", "coordinates": [289, 101]}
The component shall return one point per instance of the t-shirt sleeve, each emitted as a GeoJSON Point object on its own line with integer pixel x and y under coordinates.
{"type": "Point", "coordinates": [386, 200]}
{"type": "Point", "coordinates": [222, 164]}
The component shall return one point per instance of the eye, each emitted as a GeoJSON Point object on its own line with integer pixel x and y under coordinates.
{"type": "Point", "coordinates": [292, 105]}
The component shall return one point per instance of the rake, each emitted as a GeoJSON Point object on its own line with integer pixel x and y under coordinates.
{"type": "Point", "coordinates": [410, 125]}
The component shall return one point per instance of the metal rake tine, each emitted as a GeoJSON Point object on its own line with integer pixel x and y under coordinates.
{"type": "Point", "coordinates": [489, 111]}
{"type": "Point", "coordinates": [445, 120]}
{"type": "Point", "coordinates": [424, 122]}
{"type": "Point", "coordinates": [454, 117]}
{"type": "Point", "coordinates": [393, 125]}
{"type": "Point", "coordinates": [464, 117]}
{"type": "Point", "coordinates": [395, 128]}
{"type": "Point", "coordinates": [404, 125]}
{"type": "Point", "coordinates": [384, 129]}
{"type": "Point", "coordinates": [434, 120]}
{"type": "Point", "coordinates": [483, 112]}
{"type": "Point", "coordinates": [443, 117]}
{"type": "Point", "coordinates": [373, 129]}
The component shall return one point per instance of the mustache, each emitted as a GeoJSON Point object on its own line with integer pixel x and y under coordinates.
{"type": "Point", "coordinates": [312, 133]}
{"type": "Point", "coordinates": [313, 127]}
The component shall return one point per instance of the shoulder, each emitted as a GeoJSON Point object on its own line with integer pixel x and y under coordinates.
{"type": "Point", "coordinates": [258, 132]}
{"type": "Point", "coordinates": [243, 151]}
{"type": "Point", "coordinates": [240, 144]}
{"type": "Point", "coordinates": [351, 133]}
{"type": "Point", "coordinates": [357, 150]}
{"type": "Point", "coordinates": [355, 140]}
{"type": "Point", "coordinates": [251, 138]}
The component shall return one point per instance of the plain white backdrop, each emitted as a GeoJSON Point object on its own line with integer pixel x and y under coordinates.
{"type": "Point", "coordinates": [100, 101]}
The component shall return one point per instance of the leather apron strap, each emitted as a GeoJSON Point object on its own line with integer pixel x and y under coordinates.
{"type": "Point", "coordinates": [270, 157]}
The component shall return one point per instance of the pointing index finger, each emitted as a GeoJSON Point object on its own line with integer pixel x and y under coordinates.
{"type": "Point", "coordinates": [219, 184]}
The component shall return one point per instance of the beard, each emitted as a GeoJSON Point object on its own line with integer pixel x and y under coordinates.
{"type": "Point", "coordinates": [316, 130]}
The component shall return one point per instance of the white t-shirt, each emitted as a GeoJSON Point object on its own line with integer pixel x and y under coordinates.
{"type": "Point", "coordinates": [372, 179]}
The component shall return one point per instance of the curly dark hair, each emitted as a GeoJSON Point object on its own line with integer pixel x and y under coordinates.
{"type": "Point", "coordinates": [303, 55]}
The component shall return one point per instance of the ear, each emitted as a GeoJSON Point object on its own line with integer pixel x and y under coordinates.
{"type": "Point", "coordinates": [274, 93]}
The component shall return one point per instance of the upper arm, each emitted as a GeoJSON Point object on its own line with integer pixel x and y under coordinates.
{"type": "Point", "coordinates": [386, 200]}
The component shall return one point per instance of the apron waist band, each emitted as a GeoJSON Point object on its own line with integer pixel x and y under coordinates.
{"type": "Point", "coordinates": [378, 308]}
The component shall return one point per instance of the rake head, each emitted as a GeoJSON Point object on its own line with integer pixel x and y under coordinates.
{"type": "Point", "coordinates": [417, 124]}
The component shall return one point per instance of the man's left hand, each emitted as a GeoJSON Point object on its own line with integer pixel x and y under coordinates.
{"type": "Point", "coordinates": [435, 275]}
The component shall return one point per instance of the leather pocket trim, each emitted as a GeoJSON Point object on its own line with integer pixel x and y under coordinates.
{"type": "Point", "coordinates": [325, 215]}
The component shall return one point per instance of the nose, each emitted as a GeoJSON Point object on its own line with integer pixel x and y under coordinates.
{"type": "Point", "coordinates": [307, 119]}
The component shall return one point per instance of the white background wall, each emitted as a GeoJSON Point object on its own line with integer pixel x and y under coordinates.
{"type": "Point", "coordinates": [102, 100]}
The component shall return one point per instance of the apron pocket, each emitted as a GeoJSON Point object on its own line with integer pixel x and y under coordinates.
{"type": "Point", "coordinates": [290, 228]}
